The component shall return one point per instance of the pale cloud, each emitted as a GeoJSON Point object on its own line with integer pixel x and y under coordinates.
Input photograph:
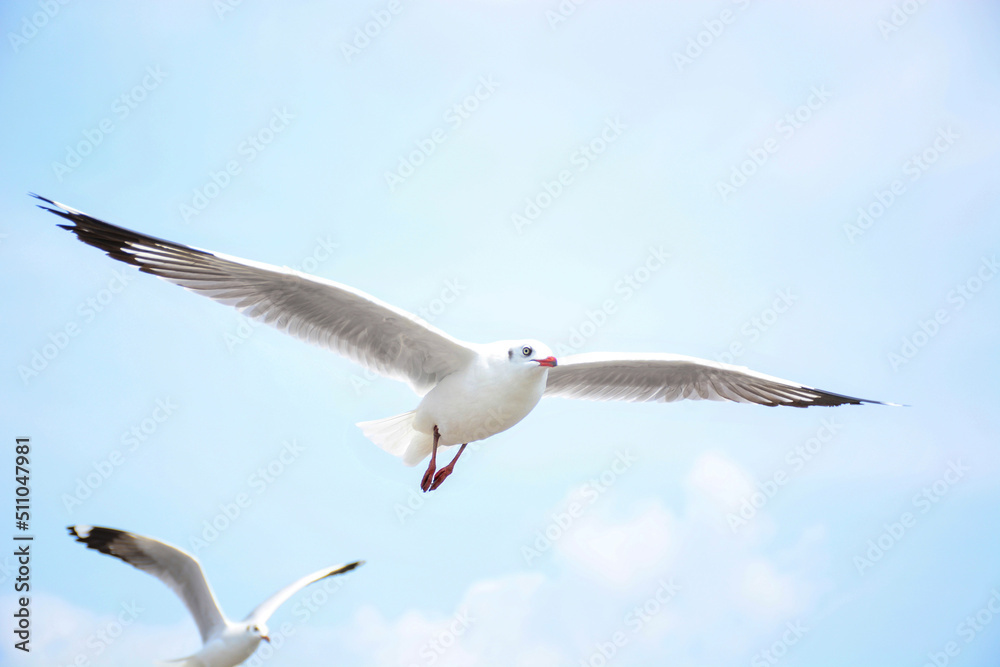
{"type": "Point", "coordinates": [489, 626]}
{"type": "Point", "coordinates": [732, 584]}
{"type": "Point", "coordinates": [623, 552]}
{"type": "Point", "coordinates": [64, 634]}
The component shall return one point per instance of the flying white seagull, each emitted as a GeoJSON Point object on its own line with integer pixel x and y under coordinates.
{"type": "Point", "coordinates": [470, 391]}
{"type": "Point", "coordinates": [226, 644]}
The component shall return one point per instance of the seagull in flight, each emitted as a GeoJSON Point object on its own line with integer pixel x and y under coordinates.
{"type": "Point", "coordinates": [469, 391]}
{"type": "Point", "coordinates": [226, 644]}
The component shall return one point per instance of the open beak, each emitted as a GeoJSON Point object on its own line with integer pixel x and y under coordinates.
{"type": "Point", "coordinates": [547, 361]}
{"type": "Point", "coordinates": [266, 638]}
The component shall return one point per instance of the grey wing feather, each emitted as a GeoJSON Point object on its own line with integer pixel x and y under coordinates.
{"type": "Point", "coordinates": [385, 339]}
{"type": "Point", "coordinates": [673, 377]}
{"type": "Point", "coordinates": [177, 569]}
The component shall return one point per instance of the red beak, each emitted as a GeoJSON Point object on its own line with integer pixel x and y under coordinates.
{"type": "Point", "coordinates": [547, 361]}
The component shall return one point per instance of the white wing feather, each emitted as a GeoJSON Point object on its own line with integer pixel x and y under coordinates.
{"type": "Point", "coordinates": [177, 569]}
{"type": "Point", "coordinates": [603, 376]}
{"type": "Point", "coordinates": [385, 339]}
{"type": "Point", "coordinates": [265, 609]}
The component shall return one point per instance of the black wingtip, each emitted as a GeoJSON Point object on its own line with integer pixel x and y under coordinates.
{"type": "Point", "coordinates": [78, 531]}
{"type": "Point", "coordinates": [351, 566]}
{"type": "Point", "coordinates": [48, 202]}
{"type": "Point", "coordinates": [346, 568]}
{"type": "Point", "coordinates": [887, 403]}
{"type": "Point", "coordinates": [81, 532]}
{"type": "Point", "coordinates": [95, 537]}
{"type": "Point", "coordinates": [831, 399]}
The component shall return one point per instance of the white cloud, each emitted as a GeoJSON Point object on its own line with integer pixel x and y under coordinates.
{"type": "Point", "coordinates": [64, 634]}
{"type": "Point", "coordinates": [623, 552]}
{"type": "Point", "coordinates": [615, 559]}
{"type": "Point", "coordinates": [733, 584]}
{"type": "Point", "coordinates": [488, 627]}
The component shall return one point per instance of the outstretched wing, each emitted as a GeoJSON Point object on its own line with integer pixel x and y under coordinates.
{"type": "Point", "coordinates": [375, 334]}
{"type": "Point", "coordinates": [177, 569]}
{"type": "Point", "coordinates": [604, 376]}
{"type": "Point", "coordinates": [265, 609]}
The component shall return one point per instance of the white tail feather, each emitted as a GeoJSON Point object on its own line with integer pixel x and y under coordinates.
{"type": "Point", "coordinates": [397, 436]}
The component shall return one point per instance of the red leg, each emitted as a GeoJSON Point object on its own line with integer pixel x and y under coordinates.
{"type": "Point", "coordinates": [425, 483]}
{"type": "Point", "coordinates": [443, 473]}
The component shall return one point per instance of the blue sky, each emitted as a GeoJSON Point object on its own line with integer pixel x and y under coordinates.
{"type": "Point", "coordinates": [738, 140]}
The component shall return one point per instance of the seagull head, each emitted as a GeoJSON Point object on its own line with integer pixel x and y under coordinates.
{"type": "Point", "coordinates": [259, 631]}
{"type": "Point", "coordinates": [531, 354]}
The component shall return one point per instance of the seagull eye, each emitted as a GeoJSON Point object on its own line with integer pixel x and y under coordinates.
{"type": "Point", "coordinates": [526, 351]}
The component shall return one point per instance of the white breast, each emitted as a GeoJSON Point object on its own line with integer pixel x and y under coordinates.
{"type": "Point", "coordinates": [483, 399]}
{"type": "Point", "coordinates": [225, 651]}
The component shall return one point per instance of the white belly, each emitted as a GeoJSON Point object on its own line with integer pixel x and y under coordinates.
{"type": "Point", "coordinates": [223, 653]}
{"type": "Point", "coordinates": [479, 402]}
